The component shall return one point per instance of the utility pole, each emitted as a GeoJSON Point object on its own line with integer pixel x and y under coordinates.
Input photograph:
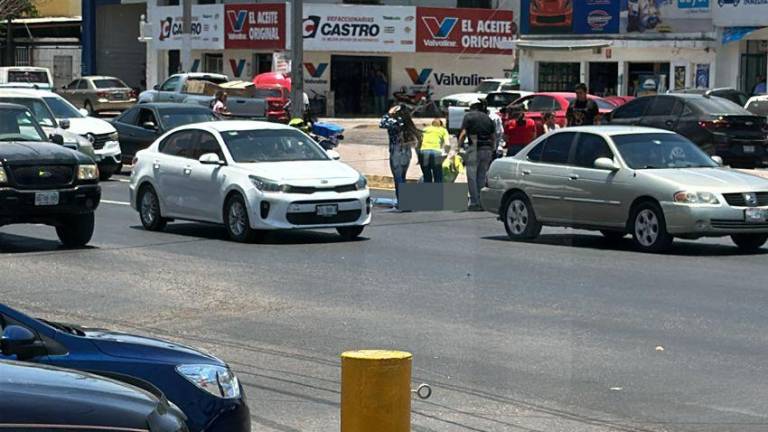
{"type": "Point", "coordinates": [297, 58]}
{"type": "Point", "coordinates": [186, 36]}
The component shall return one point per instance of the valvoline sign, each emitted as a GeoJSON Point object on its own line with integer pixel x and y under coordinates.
{"type": "Point", "coordinates": [255, 26]}
{"type": "Point", "coordinates": [460, 30]}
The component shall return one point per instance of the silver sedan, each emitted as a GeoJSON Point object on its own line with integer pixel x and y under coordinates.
{"type": "Point", "coordinates": [650, 183]}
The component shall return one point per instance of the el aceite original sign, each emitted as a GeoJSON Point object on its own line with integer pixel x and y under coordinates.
{"type": "Point", "coordinates": [465, 30]}
{"type": "Point", "coordinates": [255, 26]}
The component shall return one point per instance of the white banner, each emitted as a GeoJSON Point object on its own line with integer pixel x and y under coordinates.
{"type": "Point", "coordinates": [359, 28]}
{"type": "Point", "coordinates": [740, 13]}
{"type": "Point", "coordinates": [207, 27]}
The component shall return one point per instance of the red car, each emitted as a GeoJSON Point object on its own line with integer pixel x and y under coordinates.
{"type": "Point", "coordinates": [618, 100]}
{"type": "Point", "coordinates": [551, 13]}
{"type": "Point", "coordinates": [537, 104]}
{"type": "Point", "coordinates": [277, 97]}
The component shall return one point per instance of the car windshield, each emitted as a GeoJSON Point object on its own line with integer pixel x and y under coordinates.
{"type": "Point", "coordinates": [272, 145]}
{"type": "Point", "coordinates": [180, 117]}
{"type": "Point", "coordinates": [268, 93]}
{"type": "Point", "coordinates": [718, 105]}
{"type": "Point", "coordinates": [601, 103]}
{"type": "Point", "coordinates": [61, 108]}
{"type": "Point", "coordinates": [38, 107]}
{"type": "Point", "coordinates": [487, 87]}
{"type": "Point", "coordinates": [19, 125]}
{"type": "Point", "coordinates": [109, 83]}
{"type": "Point", "coordinates": [758, 107]}
{"type": "Point", "coordinates": [660, 150]}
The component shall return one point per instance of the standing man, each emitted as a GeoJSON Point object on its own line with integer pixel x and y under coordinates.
{"type": "Point", "coordinates": [582, 111]}
{"type": "Point", "coordinates": [760, 87]}
{"type": "Point", "coordinates": [380, 92]}
{"type": "Point", "coordinates": [481, 132]}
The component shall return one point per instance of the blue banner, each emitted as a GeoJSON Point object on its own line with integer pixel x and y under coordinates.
{"type": "Point", "coordinates": [596, 16]}
{"type": "Point", "coordinates": [570, 17]}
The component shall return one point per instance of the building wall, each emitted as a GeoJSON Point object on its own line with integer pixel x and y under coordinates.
{"type": "Point", "coordinates": [44, 57]}
{"type": "Point", "coordinates": [728, 64]}
{"type": "Point", "coordinates": [58, 8]}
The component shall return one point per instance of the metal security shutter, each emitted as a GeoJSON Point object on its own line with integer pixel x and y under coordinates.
{"type": "Point", "coordinates": [118, 51]}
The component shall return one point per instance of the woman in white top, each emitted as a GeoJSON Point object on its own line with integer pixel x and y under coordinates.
{"type": "Point", "coordinates": [549, 122]}
{"type": "Point", "coordinates": [220, 106]}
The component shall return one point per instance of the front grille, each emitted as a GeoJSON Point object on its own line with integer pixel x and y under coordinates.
{"type": "Point", "coordinates": [310, 190]}
{"type": "Point", "coordinates": [43, 176]}
{"type": "Point", "coordinates": [98, 140]}
{"type": "Point", "coordinates": [739, 200]}
{"type": "Point", "coordinates": [344, 216]}
{"type": "Point", "coordinates": [544, 19]}
{"type": "Point", "coordinates": [736, 224]}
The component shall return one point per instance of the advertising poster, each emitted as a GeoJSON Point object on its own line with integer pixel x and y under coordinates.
{"type": "Point", "coordinates": [570, 17]}
{"type": "Point", "coordinates": [740, 13]}
{"type": "Point", "coordinates": [596, 16]}
{"type": "Point", "coordinates": [207, 27]}
{"type": "Point", "coordinates": [255, 26]}
{"type": "Point", "coordinates": [470, 31]}
{"type": "Point", "coordinates": [666, 16]}
{"type": "Point", "coordinates": [679, 77]}
{"type": "Point", "coordinates": [359, 28]}
{"type": "Point", "coordinates": [702, 75]}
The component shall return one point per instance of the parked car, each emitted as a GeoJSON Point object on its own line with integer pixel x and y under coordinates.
{"type": "Point", "coordinates": [249, 176]}
{"type": "Point", "coordinates": [650, 183]}
{"type": "Point", "coordinates": [45, 398]}
{"type": "Point", "coordinates": [277, 98]}
{"type": "Point", "coordinates": [618, 100]}
{"type": "Point", "coordinates": [551, 13]}
{"type": "Point", "coordinates": [535, 105]}
{"type": "Point", "coordinates": [479, 93]}
{"type": "Point", "coordinates": [738, 97]}
{"type": "Point", "coordinates": [141, 125]}
{"type": "Point", "coordinates": [42, 182]}
{"type": "Point", "coordinates": [758, 105]}
{"type": "Point", "coordinates": [26, 75]}
{"type": "Point", "coordinates": [717, 125]}
{"type": "Point", "coordinates": [177, 89]}
{"type": "Point", "coordinates": [99, 93]}
{"type": "Point", "coordinates": [201, 385]}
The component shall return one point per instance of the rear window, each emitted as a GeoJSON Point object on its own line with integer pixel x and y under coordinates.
{"type": "Point", "coordinates": [213, 79]}
{"type": "Point", "coordinates": [758, 107]}
{"type": "Point", "coordinates": [717, 105]}
{"type": "Point", "coordinates": [736, 97]}
{"type": "Point", "coordinates": [601, 103]}
{"type": "Point", "coordinates": [179, 117]}
{"type": "Point", "coordinates": [268, 93]}
{"type": "Point", "coordinates": [109, 83]}
{"type": "Point", "coordinates": [38, 77]}
{"type": "Point", "coordinates": [501, 99]}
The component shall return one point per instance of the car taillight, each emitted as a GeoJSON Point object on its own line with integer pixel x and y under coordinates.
{"type": "Point", "coordinates": [101, 94]}
{"type": "Point", "coordinates": [713, 125]}
{"type": "Point", "coordinates": [133, 94]}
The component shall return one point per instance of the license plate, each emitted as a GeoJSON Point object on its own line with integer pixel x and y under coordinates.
{"type": "Point", "coordinates": [327, 210]}
{"type": "Point", "coordinates": [756, 215]}
{"type": "Point", "coordinates": [749, 149]}
{"type": "Point", "coordinates": [46, 198]}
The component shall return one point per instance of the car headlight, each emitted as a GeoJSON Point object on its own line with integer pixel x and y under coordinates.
{"type": "Point", "coordinates": [688, 197]}
{"type": "Point", "coordinates": [362, 183]}
{"type": "Point", "coordinates": [113, 136]}
{"type": "Point", "coordinates": [87, 172]}
{"type": "Point", "coordinates": [216, 380]}
{"type": "Point", "coordinates": [266, 185]}
{"type": "Point", "coordinates": [3, 176]}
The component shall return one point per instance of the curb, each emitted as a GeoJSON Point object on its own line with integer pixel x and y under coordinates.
{"type": "Point", "coordinates": [384, 182]}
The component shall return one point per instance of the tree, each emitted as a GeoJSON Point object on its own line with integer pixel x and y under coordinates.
{"type": "Point", "coordinates": [10, 9]}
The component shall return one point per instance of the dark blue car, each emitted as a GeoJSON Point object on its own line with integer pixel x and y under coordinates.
{"type": "Point", "coordinates": [201, 385]}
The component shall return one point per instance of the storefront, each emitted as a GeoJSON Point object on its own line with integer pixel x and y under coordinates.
{"type": "Point", "coordinates": [743, 57]}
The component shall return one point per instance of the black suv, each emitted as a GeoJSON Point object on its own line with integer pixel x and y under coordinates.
{"type": "Point", "coordinates": [44, 182]}
{"type": "Point", "coordinates": [718, 126]}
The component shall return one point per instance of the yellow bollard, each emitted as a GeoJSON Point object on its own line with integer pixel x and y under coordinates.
{"type": "Point", "coordinates": [376, 391]}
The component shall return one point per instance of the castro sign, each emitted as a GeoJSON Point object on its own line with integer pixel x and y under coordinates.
{"type": "Point", "coordinates": [471, 31]}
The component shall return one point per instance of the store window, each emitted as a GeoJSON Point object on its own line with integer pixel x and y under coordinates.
{"type": "Point", "coordinates": [554, 77]}
{"type": "Point", "coordinates": [213, 63]}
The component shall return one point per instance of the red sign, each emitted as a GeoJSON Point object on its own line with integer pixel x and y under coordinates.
{"type": "Point", "coordinates": [477, 31]}
{"type": "Point", "coordinates": [254, 26]}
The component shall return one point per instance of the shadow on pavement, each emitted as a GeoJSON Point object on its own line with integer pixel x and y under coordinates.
{"type": "Point", "coordinates": [680, 247]}
{"type": "Point", "coordinates": [15, 244]}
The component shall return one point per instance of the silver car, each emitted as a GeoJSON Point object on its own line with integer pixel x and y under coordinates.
{"type": "Point", "coordinates": [96, 94]}
{"type": "Point", "coordinates": [650, 183]}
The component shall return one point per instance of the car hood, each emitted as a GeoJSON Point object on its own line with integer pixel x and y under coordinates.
{"type": "Point", "coordinates": [710, 179]}
{"type": "Point", "coordinates": [141, 347]}
{"type": "Point", "coordinates": [39, 152]}
{"type": "Point", "coordinates": [466, 97]}
{"type": "Point", "coordinates": [84, 125]}
{"type": "Point", "coordinates": [304, 173]}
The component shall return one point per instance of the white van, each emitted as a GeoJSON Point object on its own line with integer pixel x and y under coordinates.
{"type": "Point", "coordinates": [26, 76]}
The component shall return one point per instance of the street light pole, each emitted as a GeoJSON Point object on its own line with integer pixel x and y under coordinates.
{"type": "Point", "coordinates": [297, 58]}
{"type": "Point", "coordinates": [186, 51]}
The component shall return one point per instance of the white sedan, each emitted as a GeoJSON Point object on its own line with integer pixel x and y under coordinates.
{"type": "Point", "coordinates": [250, 176]}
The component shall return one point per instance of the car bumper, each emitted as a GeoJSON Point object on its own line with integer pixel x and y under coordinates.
{"type": "Point", "coordinates": [18, 206]}
{"type": "Point", "coordinates": [742, 152]}
{"type": "Point", "coordinates": [121, 105]}
{"type": "Point", "coordinates": [701, 221]}
{"type": "Point", "coordinates": [490, 199]}
{"type": "Point", "coordinates": [299, 211]}
{"type": "Point", "coordinates": [551, 19]}
{"type": "Point", "coordinates": [234, 417]}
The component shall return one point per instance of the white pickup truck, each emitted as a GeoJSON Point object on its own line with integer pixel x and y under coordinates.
{"type": "Point", "coordinates": [177, 89]}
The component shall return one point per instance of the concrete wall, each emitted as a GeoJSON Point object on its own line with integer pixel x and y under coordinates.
{"type": "Point", "coordinates": [728, 64]}
{"type": "Point", "coordinates": [58, 8]}
{"type": "Point", "coordinates": [44, 57]}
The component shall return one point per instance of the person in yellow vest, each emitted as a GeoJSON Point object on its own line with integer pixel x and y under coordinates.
{"type": "Point", "coordinates": [434, 139]}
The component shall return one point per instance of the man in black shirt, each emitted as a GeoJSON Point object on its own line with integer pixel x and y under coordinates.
{"type": "Point", "coordinates": [481, 132]}
{"type": "Point", "coordinates": [582, 111]}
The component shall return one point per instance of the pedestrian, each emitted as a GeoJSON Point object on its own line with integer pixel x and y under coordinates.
{"type": "Point", "coordinates": [582, 111]}
{"type": "Point", "coordinates": [380, 92]}
{"type": "Point", "coordinates": [435, 138]}
{"type": "Point", "coordinates": [549, 122]}
{"type": "Point", "coordinates": [403, 138]}
{"type": "Point", "coordinates": [479, 129]}
{"type": "Point", "coordinates": [760, 86]}
{"type": "Point", "coordinates": [520, 131]}
{"type": "Point", "coordinates": [220, 103]}
{"type": "Point", "coordinates": [498, 124]}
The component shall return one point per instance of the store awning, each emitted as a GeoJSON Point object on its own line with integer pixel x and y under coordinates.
{"type": "Point", "coordinates": [735, 34]}
{"type": "Point", "coordinates": [560, 45]}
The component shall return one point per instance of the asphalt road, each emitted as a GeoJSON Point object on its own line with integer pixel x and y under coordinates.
{"type": "Point", "coordinates": [569, 333]}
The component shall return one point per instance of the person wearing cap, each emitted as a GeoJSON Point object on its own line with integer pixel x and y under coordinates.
{"type": "Point", "coordinates": [479, 130]}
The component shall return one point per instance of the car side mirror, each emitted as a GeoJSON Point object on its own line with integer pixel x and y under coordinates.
{"type": "Point", "coordinates": [211, 159]}
{"type": "Point", "coordinates": [155, 87]}
{"type": "Point", "coordinates": [605, 163]}
{"type": "Point", "coordinates": [83, 111]}
{"type": "Point", "coordinates": [333, 154]}
{"type": "Point", "coordinates": [718, 160]}
{"type": "Point", "coordinates": [64, 124]}
{"type": "Point", "coordinates": [149, 125]}
{"type": "Point", "coordinates": [21, 342]}
{"type": "Point", "coordinates": [56, 139]}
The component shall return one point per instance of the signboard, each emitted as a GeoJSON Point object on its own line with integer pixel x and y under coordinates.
{"type": "Point", "coordinates": [666, 16]}
{"type": "Point", "coordinates": [207, 27]}
{"type": "Point", "coordinates": [469, 31]}
{"type": "Point", "coordinates": [359, 28]}
{"type": "Point", "coordinates": [570, 17]}
{"type": "Point", "coordinates": [255, 26]}
{"type": "Point", "coordinates": [742, 13]}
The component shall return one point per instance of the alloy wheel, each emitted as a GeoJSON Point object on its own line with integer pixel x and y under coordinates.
{"type": "Point", "coordinates": [237, 218]}
{"type": "Point", "coordinates": [647, 227]}
{"type": "Point", "coordinates": [149, 207]}
{"type": "Point", "coordinates": [517, 216]}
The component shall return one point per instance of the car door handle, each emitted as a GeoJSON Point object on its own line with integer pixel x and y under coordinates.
{"type": "Point", "coordinates": [526, 172]}
{"type": "Point", "coordinates": [573, 176]}
{"type": "Point", "coordinates": [187, 171]}
{"type": "Point", "coordinates": [669, 123]}
{"type": "Point", "coordinates": [156, 164]}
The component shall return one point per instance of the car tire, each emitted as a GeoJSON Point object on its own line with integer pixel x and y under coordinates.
{"type": "Point", "coordinates": [649, 228]}
{"type": "Point", "coordinates": [613, 236]}
{"type": "Point", "coordinates": [105, 175]}
{"type": "Point", "coordinates": [76, 230]}
{"type": "Point", "coordinates": [238, 223]}
{"type": "Point", "coordinates": [749, 242]}
{"type": "Point", "coordinates": [89, 107]}
{"type": "Point", "coordinates": [350, 232]}
{"type": "Point", "coordinates": [520, 218]}
{"type": "Point", "coordinates": [149, 209]}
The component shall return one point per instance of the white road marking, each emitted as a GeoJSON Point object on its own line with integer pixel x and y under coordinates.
{"type": "Point", "coordinates": [116, 202]}
{"type": "Point", "coordinates": [121, 180]}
